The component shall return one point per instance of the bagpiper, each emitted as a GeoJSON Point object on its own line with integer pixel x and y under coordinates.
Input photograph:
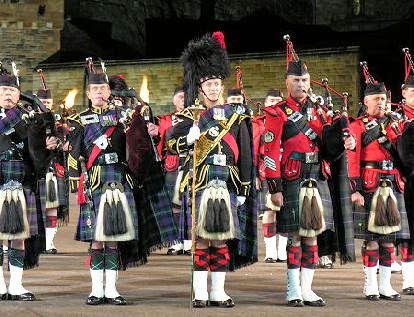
{"type": "Point", "coordinates": [226, 237]}
{"type": "Point", "coordinates": [108, 188]}
{"type": "Point", "coordinates": [53, 186]}
{"type": "Point", "coordinates": [377, 189]}
{"type": "Point", "coordinates": [296, 153]}
{"type": "Point", "coordinates": [275, 243]}
{"type": "Point", "coordinates": [21, 156]}
{"type": "Point", "coordinates": [172, 162]}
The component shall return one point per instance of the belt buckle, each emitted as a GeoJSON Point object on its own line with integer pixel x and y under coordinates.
{"type": "Point", "coordinates": [219, 159]}
{"type": "Point", "coordinates": [111, 158]}
{"type": "Point", "coordinates": [311, 158]}
{"type": "Point", "coordinates": [387, 165]}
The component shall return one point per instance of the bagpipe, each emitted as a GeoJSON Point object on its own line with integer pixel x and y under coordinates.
{"type": "Point", "coordinates": [240, 85]}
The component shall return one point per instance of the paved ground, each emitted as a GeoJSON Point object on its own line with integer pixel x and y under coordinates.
{"type": "Point", "coordinates": [161, 288]}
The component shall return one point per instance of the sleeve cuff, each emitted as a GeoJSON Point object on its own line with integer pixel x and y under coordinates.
{"type": "Point", "coordinates": [274, 185]}
{"type": "Point", "coordinates": [355, 184]}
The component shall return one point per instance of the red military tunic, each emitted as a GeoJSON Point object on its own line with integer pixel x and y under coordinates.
{"type": "Point", "coordinates": [258, 125]}
{"type": "Point", "coordinates": [409, 112]}
{"type": "Point", "coordinates": [278, 151]}
{"type": "Point", "coordinates": [382, 161]}
{"type": "Point", "coordinates": [171, 162]}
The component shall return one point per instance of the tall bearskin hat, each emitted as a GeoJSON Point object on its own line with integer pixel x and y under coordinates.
{"type": "Point", "coordinates": [7, 79]}
{"type": "Point", "coordinates": [117, 82]}
{"type": "Point", "coordinates": [203, 59]}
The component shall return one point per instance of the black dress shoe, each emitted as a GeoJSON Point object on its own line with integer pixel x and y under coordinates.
{"type": "Point", "coordinates": [4, 296]}
{"type": "Point", "coordinates": [395, 297]}
{"type": "Point", "coordinates": [408, 291]}
{"type": "Point", "coordinates": [281, 261]}
{"type": "Point", "coordinates": [224, 304]}
{"type": "Point", "coordinates": [186, 252]}
{"type": "Point", "coordinates": [270, 260]}
{"type": "Point", "coordinates": [374, 298]}
{"type": "Point", "coordinates": [197, 303]}
{"type": "Point", "coordinates": [93, 300]}
{"type": "Point", "coordinates": [27, 297]}
{"type": "Point", "coordinates": [51, 251]}
{"type": "Point", "coordinates": [172, 251]}
{"type": "Point", "coordinates": [116, 301]}
{"type": "Point", "coordinates": [295, 303]}
{"type": "Point", "coordinates": [315, 303]}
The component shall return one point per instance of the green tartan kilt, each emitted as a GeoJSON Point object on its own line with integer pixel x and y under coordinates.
{"type": "Point", "coordinates": [361, 216]}
{"type": "Point", "coordinates": [87, 217]}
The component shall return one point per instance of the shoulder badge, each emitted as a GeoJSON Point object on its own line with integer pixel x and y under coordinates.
{"type": "Point", "coordinates": [269, 137]}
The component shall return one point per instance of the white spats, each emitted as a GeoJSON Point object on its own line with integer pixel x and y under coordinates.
{"type": "Point", "coordinates": [408, 274]}
{"type": "Point", "coordinates": [15, 286]}
{"type": "Point", "coordinates": [50, 235]}
{"type": "Point", "coordinates": [370, 284]}
{"type": "Point", "coordinates": [270, 246]}
{"type": "Point", "coordinates": [111, 276]}
{"type": "Point", "coordinates": [200, 285]}
{"type": "Point", "coordinates": [3, 287]}
{"type": "Point", "coordinates": [217, 292]}
{"type": "Point", "coordinates": [306, 279]}
{"type": "Point", "coordinates": [384, 286]}
{"type": "Point", "coordinates": [293, 286]}
{"type": "Point", "coordinates": [97, 277]}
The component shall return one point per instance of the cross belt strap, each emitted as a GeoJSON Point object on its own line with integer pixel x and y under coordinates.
{"type": "Point", "coordinates": [297, 123]}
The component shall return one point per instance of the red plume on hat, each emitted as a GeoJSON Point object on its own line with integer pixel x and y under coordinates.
{"type": "Point", "coordinates": [219, 36]}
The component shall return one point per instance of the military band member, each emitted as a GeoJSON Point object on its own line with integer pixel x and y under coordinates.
{"type": "Point", "coordinates": [378, 189]}
{"type": "Point", "coordinates": [53, 187]}
{"type": "Point", "coordinates": [407, 248]}
{"type": "Point", "coordinates": [275, 243]}
{"type": "Point", "coordinates": [225, 240]}
{"type": "Point", "coordinates": [19, 217]}
{"type": "Point", "coordinates": [172, 162]}
{"type": "Point", "coordinates": [296, 173]}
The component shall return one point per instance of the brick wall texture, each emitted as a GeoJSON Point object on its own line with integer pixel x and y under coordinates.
{"type": "Point", "coordinates": [260, 72]}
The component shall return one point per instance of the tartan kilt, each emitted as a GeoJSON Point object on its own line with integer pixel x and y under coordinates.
{"type": "Point", "coordinates": [87, 217]}
{"type": "Point", "coordinates": [361, 216]}
{"type": "Point", "coordinates": [15, 170]}
{"type": "Point", "coordinates": [170, 180]}
{"type": "Point", "coordinates": [288, 216]}
{"type": "Point", "coordinates": [215, 172]}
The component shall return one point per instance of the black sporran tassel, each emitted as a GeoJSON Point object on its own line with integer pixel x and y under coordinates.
{"type": "Point", "coordinates": [210, 216]}
{"type": "Point", "coordinates": [5, 215]}
{"type": "Point", "coordinates": [392, 212]}
{"type": "Point", "coordinates": [121, 227]}
{"type": "Point", "coordinates": [316, 214]}
{"type": "Point", "coordinates": [224, 217]}
{"type": "Point", "coordinates": [51, 192]}
{"type": "Point", "coordinates": [108, 219]}
{"type": "Point", "coordinates": [380, 213]}
{"type": "Point", "coordinates": [19, 213]}
{"type": "Point", "coordinates": [217, 220]}
{"type": "Point", "coordinates": [306, 216]}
